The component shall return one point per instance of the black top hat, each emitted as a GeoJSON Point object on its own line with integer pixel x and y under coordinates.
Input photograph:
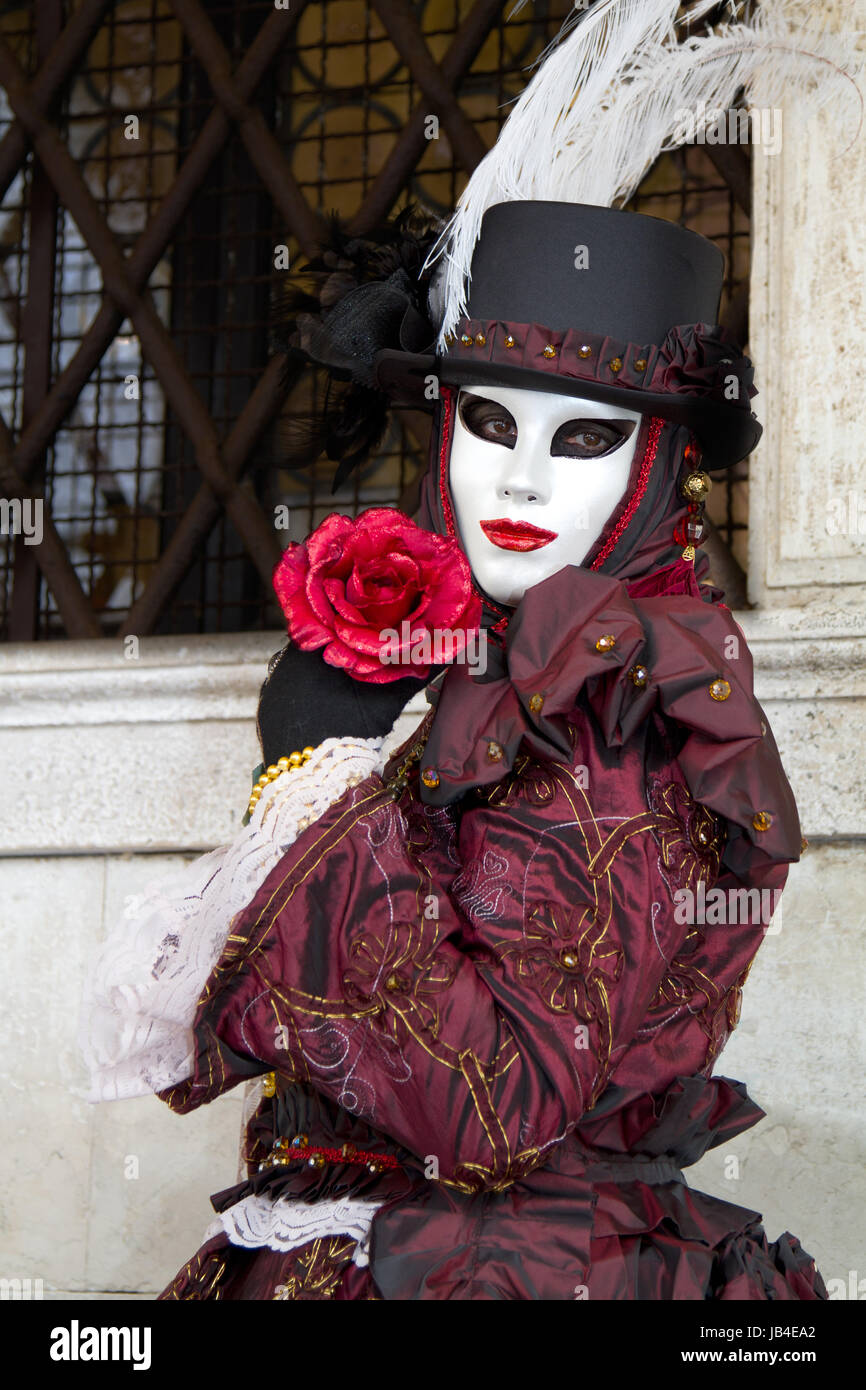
{"type": "Point", "coordinates": [591, 301]}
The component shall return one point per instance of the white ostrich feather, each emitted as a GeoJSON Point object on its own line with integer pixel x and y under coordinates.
{"type": "Point", "coordinates": [608, 97]}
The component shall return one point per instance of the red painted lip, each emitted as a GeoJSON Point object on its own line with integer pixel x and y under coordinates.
{"type": "Point", "coordinates": [517, 535]}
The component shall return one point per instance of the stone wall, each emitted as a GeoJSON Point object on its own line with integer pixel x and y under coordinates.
{"type": "Point", "coordinates": [115, 771]}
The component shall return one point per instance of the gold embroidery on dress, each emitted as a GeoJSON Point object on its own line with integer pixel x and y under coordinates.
{"type": "Point", "coordinates": [395, 971]}
{"type": "Point", "coordinates": [690, 837]}
{"type": "Point", "coordinates": [691, 841]}
{"type": "Point", "coordinates": [317, 1269]}
{"type": "Point", "coordinates": [201, 1276]}
{"type": "Point", "coordinates": [529, 779]}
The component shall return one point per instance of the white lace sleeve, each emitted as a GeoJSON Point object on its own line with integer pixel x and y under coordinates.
{"type": "Point", "coordinates": [140, 999]}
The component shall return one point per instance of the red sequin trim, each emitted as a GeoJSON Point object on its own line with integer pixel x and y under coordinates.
{"type": "Point", "coordinates": [359, 1158]}
{"type": "Point", "coordinates": [652, 444]}
{"type": "Point", "coordinates": [447, 416]}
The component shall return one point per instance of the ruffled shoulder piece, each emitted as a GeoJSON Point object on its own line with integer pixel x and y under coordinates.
{"type": "Point", "coordinates": [629, 653]}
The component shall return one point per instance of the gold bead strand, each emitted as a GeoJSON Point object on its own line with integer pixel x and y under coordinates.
{"type": "Point", "coordinates": [288, 764]}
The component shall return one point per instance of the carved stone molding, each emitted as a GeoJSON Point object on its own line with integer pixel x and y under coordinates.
{"type": "Point", "coordinates": [807, 503]}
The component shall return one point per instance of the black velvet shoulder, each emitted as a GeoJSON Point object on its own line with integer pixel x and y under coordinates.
{"type": "Point", "coordinates": [304, 700]}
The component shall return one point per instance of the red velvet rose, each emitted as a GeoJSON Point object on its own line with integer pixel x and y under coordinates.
{"type": "Point", "coordinates": [383, 597]}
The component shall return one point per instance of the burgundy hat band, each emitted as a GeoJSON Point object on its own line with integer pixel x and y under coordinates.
{"type": "Point", "coordinates": [694, 359]}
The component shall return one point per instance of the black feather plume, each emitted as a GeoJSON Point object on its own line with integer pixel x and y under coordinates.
{"type": "Point", "coordinates": [336, 312]}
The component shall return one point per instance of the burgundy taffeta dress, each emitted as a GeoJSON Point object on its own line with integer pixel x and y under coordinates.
{"type": "Point", "coordinates": [468, 979]}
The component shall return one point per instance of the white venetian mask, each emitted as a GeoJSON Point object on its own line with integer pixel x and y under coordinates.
{"type": "Point", "coordinates": [534, 477]}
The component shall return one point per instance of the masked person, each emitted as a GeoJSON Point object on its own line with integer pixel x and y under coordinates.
{"type": "Point", "coordinates": [487, 964]}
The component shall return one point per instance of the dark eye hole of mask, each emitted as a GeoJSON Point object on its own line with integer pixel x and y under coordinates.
{"type": "Point", "coordinates": [490, 421]}
{"type": "Point", "coordinates": [590, 439]}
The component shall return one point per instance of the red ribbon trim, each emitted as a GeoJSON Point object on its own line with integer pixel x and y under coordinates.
{"type": "Point", "coordinates": [649, 457]}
